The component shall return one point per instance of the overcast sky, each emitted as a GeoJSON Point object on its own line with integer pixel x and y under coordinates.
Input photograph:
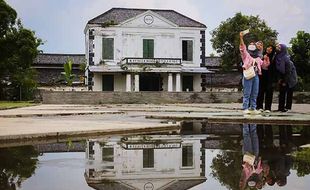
{"type": "Point", "coordinates": [60, 23]}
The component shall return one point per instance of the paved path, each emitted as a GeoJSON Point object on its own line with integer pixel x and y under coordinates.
{"type": "Point", "coordinates": [70, 120]}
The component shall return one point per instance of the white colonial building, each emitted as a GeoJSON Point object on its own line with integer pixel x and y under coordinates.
{"type": "Point", "coordinates": [146, 162]}
{"type": "Point", "coordinates": [145, 50]}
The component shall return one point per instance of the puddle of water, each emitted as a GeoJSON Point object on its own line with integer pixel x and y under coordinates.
{"type": "Point", "coordinates": [199, 156]}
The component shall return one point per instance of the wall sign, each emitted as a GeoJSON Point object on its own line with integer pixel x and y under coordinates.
{"type": "Point", "coordinates": [148, 19]}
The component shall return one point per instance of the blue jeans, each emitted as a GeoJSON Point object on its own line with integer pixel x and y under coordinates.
{"type": "Point", "coordinates": [250, 92]}
{"type": "Point", "coordinates": [250, 139]}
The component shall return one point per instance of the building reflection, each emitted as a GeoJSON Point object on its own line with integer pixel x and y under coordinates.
{"type": "Point", "coordinates": [146, 162]}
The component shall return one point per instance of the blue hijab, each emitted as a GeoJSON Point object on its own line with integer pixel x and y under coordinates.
{"type": "Point", "coordinates": [280, 59]}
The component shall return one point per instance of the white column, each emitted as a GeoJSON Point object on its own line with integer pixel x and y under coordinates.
{"type": "Point", "coordinates": [137, 83]}
{"type": "Point", "coordinates": [128, 82]}
{"type": "Point", "coordinates": [178, 82]}
{"type": "Point", "coordinates": [170, 82]}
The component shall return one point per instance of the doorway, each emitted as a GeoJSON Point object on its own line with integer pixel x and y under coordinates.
{"type": "Point", "coordinates": [187, 83]}
{"type": "Point", "coordinates": [107, 82]}
{"type": "Point", "coordinates": [150, 82]}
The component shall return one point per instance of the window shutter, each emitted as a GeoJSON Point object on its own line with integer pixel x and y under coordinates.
{"type": "Point", "coordinates": [107, 48]}
{"type": "Point", "coordinates": [148, 48]}
{"type": "Point", "coordinates": [151, 49]}
{"type": "Point", "coordinates": [189, 50]}
{"type": "Point", "coordinates": [145, 48]}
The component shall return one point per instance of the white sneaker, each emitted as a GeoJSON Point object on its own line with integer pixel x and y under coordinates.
{"type": "Point", "coordinates": [246, 111]}
{"type": "Point", "coordinates": [255, 112]}
{"type": "Point", "coordinates": [267, 111]}
{"type": "Point", "coordinates": [261, 110]}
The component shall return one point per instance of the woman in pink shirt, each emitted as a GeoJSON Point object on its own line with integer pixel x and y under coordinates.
{"type": "Point", "coordinates": [251, 57]}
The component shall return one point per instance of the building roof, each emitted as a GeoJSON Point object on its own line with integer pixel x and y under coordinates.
{"type": "Point", "coordinates": [53, 59]}
{"type": "Point", "coordinates": [119, 15]}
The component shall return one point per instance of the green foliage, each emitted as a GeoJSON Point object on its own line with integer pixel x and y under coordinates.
{"type": "Point", "coordinates": [108, 23]}
{"type": "Point", "coordinates": [226, 166]}
{"type": "Point", "coordinates": [82, 66]}
{"type": "Point", "coordinates": [16, 165]}
{"type": "Point", "coordinates": [302, 162]}
{"type": "Point", "coordinates": [300, 54]}
{"type": "Point", "coordinates": [7, 17]}
{"type": "Point", "coordinates": [68, 76]}
{"type": "Point", "coordinates": [225, 38]}
{"type": "Point", "coordinates": [18, 47]}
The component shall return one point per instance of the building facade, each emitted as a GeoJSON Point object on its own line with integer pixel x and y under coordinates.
{"type": "Point", "coordinates": [145, 50]}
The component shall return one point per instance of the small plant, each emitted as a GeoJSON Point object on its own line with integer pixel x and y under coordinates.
{"type": "Point", "coordinates": [69, 77]}
{"type": "Point", "coordinates": [102, 62]}
{"type": "Point", "coordinates": [108, 23]}
{"type": "Point", "coordinates": [124, 67]}
{"type": "Point", "coordinates": [157, 64]}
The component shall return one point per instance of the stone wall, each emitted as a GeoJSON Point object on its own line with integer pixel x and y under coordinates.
{"type": "Point", "coordinates": [65, 97]}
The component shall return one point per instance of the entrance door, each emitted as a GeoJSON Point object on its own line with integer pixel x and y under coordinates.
{"type": "Point", "coordinates": [187, 83]}
{"type": "Point", "coordinates": [150, 82]}
{"type": "Point", "coordinates": [107, 82]}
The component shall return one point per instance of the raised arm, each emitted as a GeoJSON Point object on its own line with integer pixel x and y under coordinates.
{"type": "Point", "coordinates": [241, 39]}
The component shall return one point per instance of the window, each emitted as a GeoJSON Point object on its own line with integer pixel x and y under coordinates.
{"type": "Point", "coordinates": [91, 150]}
{"type": "Point", "coordinates": [107, 48]}
{"type": "Point", "coordinates": [108, 158]}
{"type": "Point", "coordinates": [148, 48]}
{"type": "Point", "coordinates": [148, 158]}
{"type": "Point", "coordinates": [108, 154]}
{"type": "Point", "coordinates": [187, 155]}
{"type": "Point", "coordinates": [187, 50]}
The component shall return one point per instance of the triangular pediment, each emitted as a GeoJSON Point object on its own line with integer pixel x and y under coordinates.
{"type": "Point", "coordinates": [148, 19]}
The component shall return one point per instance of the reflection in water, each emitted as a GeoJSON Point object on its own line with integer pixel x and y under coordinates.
{"type": "Point", "coordinates": [273, 165]}
{"type": "Point", "coordinates": [146, 162]}
{"type": "Point", "coordinates": [16, 165]}
{"type": "Point", "coordinates": [167, 160]}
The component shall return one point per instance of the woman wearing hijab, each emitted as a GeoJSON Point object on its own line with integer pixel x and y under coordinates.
{"type": "Point", "coordinates": [250, 58]}
{"type": "Point", "coordinates": [288, 78]}
{"type": "Point", "coordinates": [266, 81]}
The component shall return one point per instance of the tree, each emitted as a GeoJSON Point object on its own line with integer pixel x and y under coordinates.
{"type": "Point", "coordinates": [7, 18]}
{"type": "Point", "coordinates": [225, 38]}
{"type": "Point", "coordinates": [300, 53]}
{"type": "Point", "coordinates": [18, 47]}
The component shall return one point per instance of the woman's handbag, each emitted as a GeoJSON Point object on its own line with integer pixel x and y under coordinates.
{"type": "Point", "coordinates": [250, 72]}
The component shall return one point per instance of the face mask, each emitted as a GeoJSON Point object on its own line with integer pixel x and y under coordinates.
{"type": "Point", "coordinates": [251, 47]}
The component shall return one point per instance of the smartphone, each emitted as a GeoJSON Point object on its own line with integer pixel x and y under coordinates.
{"type": "Point", "coordinates": [244, 32]}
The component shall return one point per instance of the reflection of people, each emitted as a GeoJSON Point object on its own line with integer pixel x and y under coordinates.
{"type": "Point", "coordinates": [250, 139]}
{"type": "Point", "coordinates": [265, 136]}
{"type": "Point", "coordinates": [252, 165]}
{"type": "Point", "coordinates": [279, 163]}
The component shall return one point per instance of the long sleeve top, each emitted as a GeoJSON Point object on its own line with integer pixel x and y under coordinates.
{"type": "Point", "coordinates": [248, 60]}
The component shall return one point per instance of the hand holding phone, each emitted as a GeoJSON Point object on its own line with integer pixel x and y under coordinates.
{"type": "Point", "coordinates": [244, 32]}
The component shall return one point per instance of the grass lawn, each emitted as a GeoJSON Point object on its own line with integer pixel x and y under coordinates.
{"type": "Point", "coordinates": [10, 105]}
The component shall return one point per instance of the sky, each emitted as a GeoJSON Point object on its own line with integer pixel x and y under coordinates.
{"type": "Point", "coordinates": [60, 23]}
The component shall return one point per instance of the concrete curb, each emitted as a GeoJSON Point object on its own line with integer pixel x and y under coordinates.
{"type": "Point", "coordinates": [59, 114]}
{"type": "Point", "coordinates": [236, 118]}
{"type": "Point", "coordinates": [64, 136]}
